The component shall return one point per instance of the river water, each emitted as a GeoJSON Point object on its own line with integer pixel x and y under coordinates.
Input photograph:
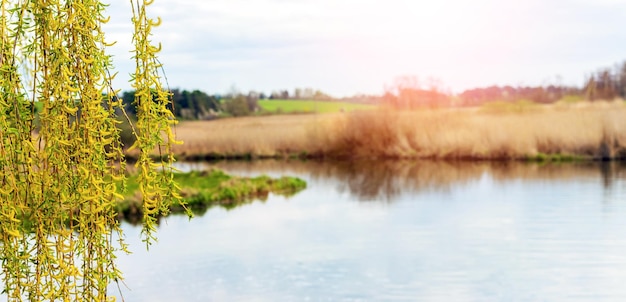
{"type": "Point", "coordinates": [397, 231]}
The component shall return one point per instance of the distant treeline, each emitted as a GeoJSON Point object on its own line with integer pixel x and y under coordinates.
{"type": "Point", "coordinates": [298, 94]}
{"type": "Point", "coordinates": [408, 92]}
{"type": "Point", "coordinates": [418, 97]}
{"type": "Point", "coordinates": [405, 92]}
{"type": "Point", "coordinates": [185, 104]}
{"type": "Point", "coordinates": [607, 83]}
{"type": "Point", "coordinates": [198, 105]}
{"type": "Point", "coordinates": [549, 94]}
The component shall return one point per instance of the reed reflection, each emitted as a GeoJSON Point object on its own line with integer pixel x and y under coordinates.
{"type": "Point", "coordinates": [384, 180]}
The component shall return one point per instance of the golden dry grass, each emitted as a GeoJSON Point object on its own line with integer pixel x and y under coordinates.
{"type": "Point", "coordinates": [595, 130]}
{"type": "Point", "coordinates": [266, 136]}
{"type": "Point", "coordinates": [584, 129]}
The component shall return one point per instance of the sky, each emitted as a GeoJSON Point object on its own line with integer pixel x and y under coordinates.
{"type": "Point", "coordinates": [347, 47]}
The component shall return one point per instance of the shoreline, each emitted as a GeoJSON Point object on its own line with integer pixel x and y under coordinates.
{"type": "Point", "coordinates": [313, 157]}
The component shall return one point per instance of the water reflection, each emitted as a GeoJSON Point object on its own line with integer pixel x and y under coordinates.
{"type": "Point", "coordinates": [442, 231]}
{"type": "Point", "coordinates": [384, 180]}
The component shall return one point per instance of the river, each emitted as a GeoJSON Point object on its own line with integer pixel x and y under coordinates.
{"type": "Point", "coordinates": [397, 231]}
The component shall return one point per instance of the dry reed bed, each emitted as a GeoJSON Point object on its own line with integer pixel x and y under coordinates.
{"type": "Point", "coordinates": [594, 130]}
{"type": "Point", "coordinates": [266, 136]}
{"type": "Point", "coordinates": [587, 130]}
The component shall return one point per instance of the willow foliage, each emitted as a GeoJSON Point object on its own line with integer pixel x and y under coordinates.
{"type": "Point", "coordinates": [58, 182]}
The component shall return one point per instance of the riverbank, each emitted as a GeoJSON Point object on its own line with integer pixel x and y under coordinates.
{"type": "Point", "coordinates": [514, 131]}
{"type": "Point", "coordinates": [202, 190]}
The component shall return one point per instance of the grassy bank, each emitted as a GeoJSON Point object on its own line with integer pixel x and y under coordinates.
{"type": "Point", "coordinates": [518, 131]}
{"type": "Point", "coordinates": [309, 106]}
{"type": "Point", "coordinates": [206, 189]}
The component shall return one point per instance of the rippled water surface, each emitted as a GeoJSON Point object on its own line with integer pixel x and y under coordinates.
{"type": "Point", "coordinates": [397, 231]}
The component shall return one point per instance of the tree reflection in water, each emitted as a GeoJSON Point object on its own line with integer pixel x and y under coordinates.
{"type": "Point", "coordinates": [385, 179]}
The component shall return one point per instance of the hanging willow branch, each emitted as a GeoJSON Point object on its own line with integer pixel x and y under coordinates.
{"type": "Point", "coordinates": [153, 120]}
{"type": "Point", "coordinates": [58, 184]}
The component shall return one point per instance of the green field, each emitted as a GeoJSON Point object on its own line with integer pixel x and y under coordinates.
{"type": "Point", "coordinates": [290, 106]}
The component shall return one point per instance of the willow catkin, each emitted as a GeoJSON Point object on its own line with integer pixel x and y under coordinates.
{"type": "Point", "coordinates": [58, 184]}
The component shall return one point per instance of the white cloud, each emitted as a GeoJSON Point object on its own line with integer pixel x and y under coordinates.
{"type": "Point", "coordinates": [356, 46]}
